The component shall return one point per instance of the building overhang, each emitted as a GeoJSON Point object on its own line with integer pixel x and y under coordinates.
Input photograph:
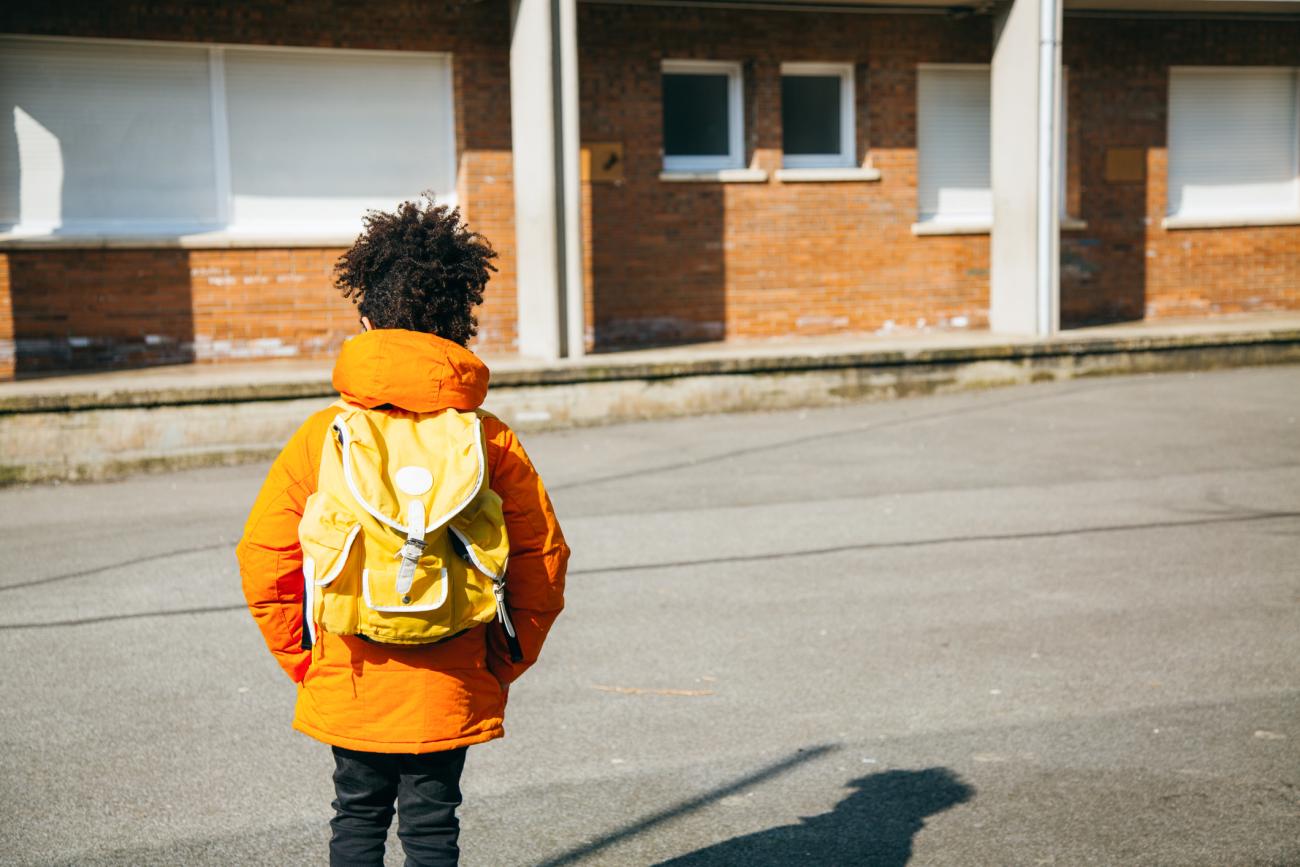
{"type": "Point", "coordinates": [1273, 8]}
{"type": "Point", "coordinates": [1287, 9]}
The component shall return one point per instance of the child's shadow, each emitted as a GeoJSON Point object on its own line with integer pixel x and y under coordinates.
{"type": "Point", "coordinates": [873, 826]}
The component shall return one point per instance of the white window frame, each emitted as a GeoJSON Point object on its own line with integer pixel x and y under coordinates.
{"type": "Point", "coordinates": [1067, 221]}
{"type": "Point", "coordinates": [735, 157]}
{"type": "Point", "coordinates": [950, 224]}
{"type": "Point", "coordinates": [222, 233]}
{"type": "Point", "coordinates": [847, 156]}
{"type": "Point", "coordinates": [940, 225]}
{"type": "Point", "coordinates": [1202, 220]}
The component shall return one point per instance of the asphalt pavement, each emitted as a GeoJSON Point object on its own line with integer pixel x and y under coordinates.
{"type": "Point", "coordinates": [1049, 625]}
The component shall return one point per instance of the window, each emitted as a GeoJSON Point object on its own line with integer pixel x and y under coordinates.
{"type": "Point", "coordinates": [118, 138]}
{"type": "Point", "coordinates": [1233, 144]}
{"type": "Point", "coordinates": [105, 139]}
{"type": "Point", "coordinates": [703, 117]}
{"type": "Point", "coordinates": [817, 123]}
{"type": "Point", "coordinates": [953, 176]}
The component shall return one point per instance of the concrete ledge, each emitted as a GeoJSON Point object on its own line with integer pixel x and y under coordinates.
{"type": "Point", "coordinates": [1229, 222]}
{"type": "Point", "coordinates": [192, 241]}
{"type": "Point", "coordinates": [161, 396]}
{"type": "Point", "coordinates": [717, 176]}
{"type": "Point", "coordinates": [85, 433]}
{"type": "Point", "coordinates": [949, 227]}
{"type": "Point", "coordinates": [841, 175]}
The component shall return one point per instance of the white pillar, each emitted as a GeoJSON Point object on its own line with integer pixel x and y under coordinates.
{"type": "Point", "coordinates": [1024, 254]}
{"type": "Point", "coordinates": [544, 139]}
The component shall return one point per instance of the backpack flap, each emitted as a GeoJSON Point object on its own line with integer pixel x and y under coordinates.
{"type": "Point", "coordinates": [388, 463]}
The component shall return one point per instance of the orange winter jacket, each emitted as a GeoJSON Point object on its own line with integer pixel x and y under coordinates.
{"type": "Point", "coordinates": [365, 696]}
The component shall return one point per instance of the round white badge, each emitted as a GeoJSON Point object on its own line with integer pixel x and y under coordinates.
{"type": "Point", "coordinates": [414, 480]}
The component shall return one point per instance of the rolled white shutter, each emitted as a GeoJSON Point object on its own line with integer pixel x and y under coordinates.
{"type": "Point", "coordinates": [105, 137]}
{"type": "Point", "coordinates": [317, 138]}
{"type": "Point", "coordinates": [953, 181]}
{"type": "Point", "coordinates": [1232, 142]}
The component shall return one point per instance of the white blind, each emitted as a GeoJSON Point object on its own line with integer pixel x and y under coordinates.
{"type": "Point", "coordinates": [319, 137]}
{"type": "Point", "coordinates": [104, 136]}
{"type": "Point", "coordinates": [110, 137]}
{"type": "Point", "coordinates": [953, 144]}
{"type": "Point", "coordinates": [1232, 142]}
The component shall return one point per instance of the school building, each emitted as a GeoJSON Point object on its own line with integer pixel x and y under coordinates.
{"type": "Point", "coordinates": [177, 178]}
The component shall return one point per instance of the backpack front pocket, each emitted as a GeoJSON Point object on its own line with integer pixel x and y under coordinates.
{"type": "Point", "coordinates": [332, 553]}
{"type": "Point", "coordinates": [481, 531]}
{"type": "Point", "coordinates": [428, 590]}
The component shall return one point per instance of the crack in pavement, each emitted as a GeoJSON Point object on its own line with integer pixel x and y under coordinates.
{"type": "Point", "coordinates": [35, 582]}
{"type": "Point", "coordinates": [949, 540]}
{"type": "Point", "coordinates": [747, 558]}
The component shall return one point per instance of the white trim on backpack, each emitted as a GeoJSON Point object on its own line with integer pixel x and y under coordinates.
{"type": "Point", "coordinates": [403, 609]}
{"type": "Point", "coordinates": [469, 552]}
{"type": "Point", "coordinates": [343, 558]}
{"type": "Point", "coordinates": [309, 606]}
{"type": "Point", "coordinates": [345, 436]}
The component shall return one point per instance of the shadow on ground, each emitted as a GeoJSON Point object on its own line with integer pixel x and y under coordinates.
{"type": "Point", "coordinates": [874, 826]}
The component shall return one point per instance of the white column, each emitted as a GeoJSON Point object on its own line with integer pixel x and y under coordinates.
{"type": "Point", "coordinates": [544, 138]}
{"type": "Point", "coordinates": [1024, 266]}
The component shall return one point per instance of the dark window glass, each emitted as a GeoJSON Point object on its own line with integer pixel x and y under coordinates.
{"type": "Point", "coordinates": [810, 114]}
{"type": "Point", "coordinates": [695, 115]}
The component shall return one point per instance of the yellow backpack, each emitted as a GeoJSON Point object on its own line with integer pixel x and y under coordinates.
{"type": "Point", "coordinates": [403, 541]}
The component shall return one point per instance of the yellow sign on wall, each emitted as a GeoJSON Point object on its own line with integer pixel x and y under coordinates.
{"type": "Point", "coordinates": [602, 162]}
{"type": "Point", "coordinates": [1126, 165]}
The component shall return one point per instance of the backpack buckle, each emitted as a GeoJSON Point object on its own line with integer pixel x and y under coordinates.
{"type": "Point", "coordinates": [412, 550]}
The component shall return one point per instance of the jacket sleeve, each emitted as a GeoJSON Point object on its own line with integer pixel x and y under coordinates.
{"type": "Point", "coordinates": [270, 557]}
{"type": "Point", "coordinates": [538, 553]}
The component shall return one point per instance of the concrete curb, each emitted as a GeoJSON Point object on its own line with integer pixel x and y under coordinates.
{"type": "Point", "coordinates": [98, 434]}
{"type": "Point", "coordinates": [600, 368]}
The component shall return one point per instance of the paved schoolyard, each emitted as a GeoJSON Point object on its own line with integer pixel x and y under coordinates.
{"type": "Point", "coordinates": [1057, 624]}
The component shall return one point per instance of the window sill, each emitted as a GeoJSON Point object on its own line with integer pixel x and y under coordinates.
{"type": "Point", "coordinates": [953, 227]}
{"type": "Point", "coordinates": [1229, 222]}
{"type": "Point", "coordinates": [716, 176]}
{"type": "Point", "coordinates": [981, 227]}
{"type": "Point", "coordinates": [827, 175]}
{"type": "Point", "coordinates": [195, 241]}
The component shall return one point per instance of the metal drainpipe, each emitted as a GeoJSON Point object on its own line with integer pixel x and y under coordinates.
{"type": "Point", "coordinates": [1049, 44]}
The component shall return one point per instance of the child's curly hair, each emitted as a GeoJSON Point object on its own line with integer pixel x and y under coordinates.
{"type": "Point", "coordinates": [418, 268]}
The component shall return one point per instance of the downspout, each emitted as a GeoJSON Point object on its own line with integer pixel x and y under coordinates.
{"type": "Point", "coordinates": [1049, 206]}
{"type": "Point", "coordinates": [568, 183]}
{"type": "Point", "coordinates": [560, 164]}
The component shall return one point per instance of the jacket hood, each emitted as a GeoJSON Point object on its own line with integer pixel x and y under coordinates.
{"type": "Point", "coordinates": [410, 370]}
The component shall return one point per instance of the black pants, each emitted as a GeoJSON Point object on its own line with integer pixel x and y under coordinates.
{"type": "Point", "coordinates": [427, 791]}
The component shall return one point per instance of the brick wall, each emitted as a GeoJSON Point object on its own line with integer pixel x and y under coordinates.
{"type": "Point", "coordinates": [75, 308]}
{"type": "Point", "coordinates": [90, 308]}
{"type": "Point", "coordinates": [687, 261]}
{"type": "Point", "coordinates": [8, 350]}
{"type": "Point", "coordinates": [672, 262]}
{"type": "Point", "coordinates": [1124, 265]}
{"type": "Point", "coordinates": [668, 262]}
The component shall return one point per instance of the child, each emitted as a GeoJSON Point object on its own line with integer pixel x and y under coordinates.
{"type": "Point", "coordinates": [400, 716]}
